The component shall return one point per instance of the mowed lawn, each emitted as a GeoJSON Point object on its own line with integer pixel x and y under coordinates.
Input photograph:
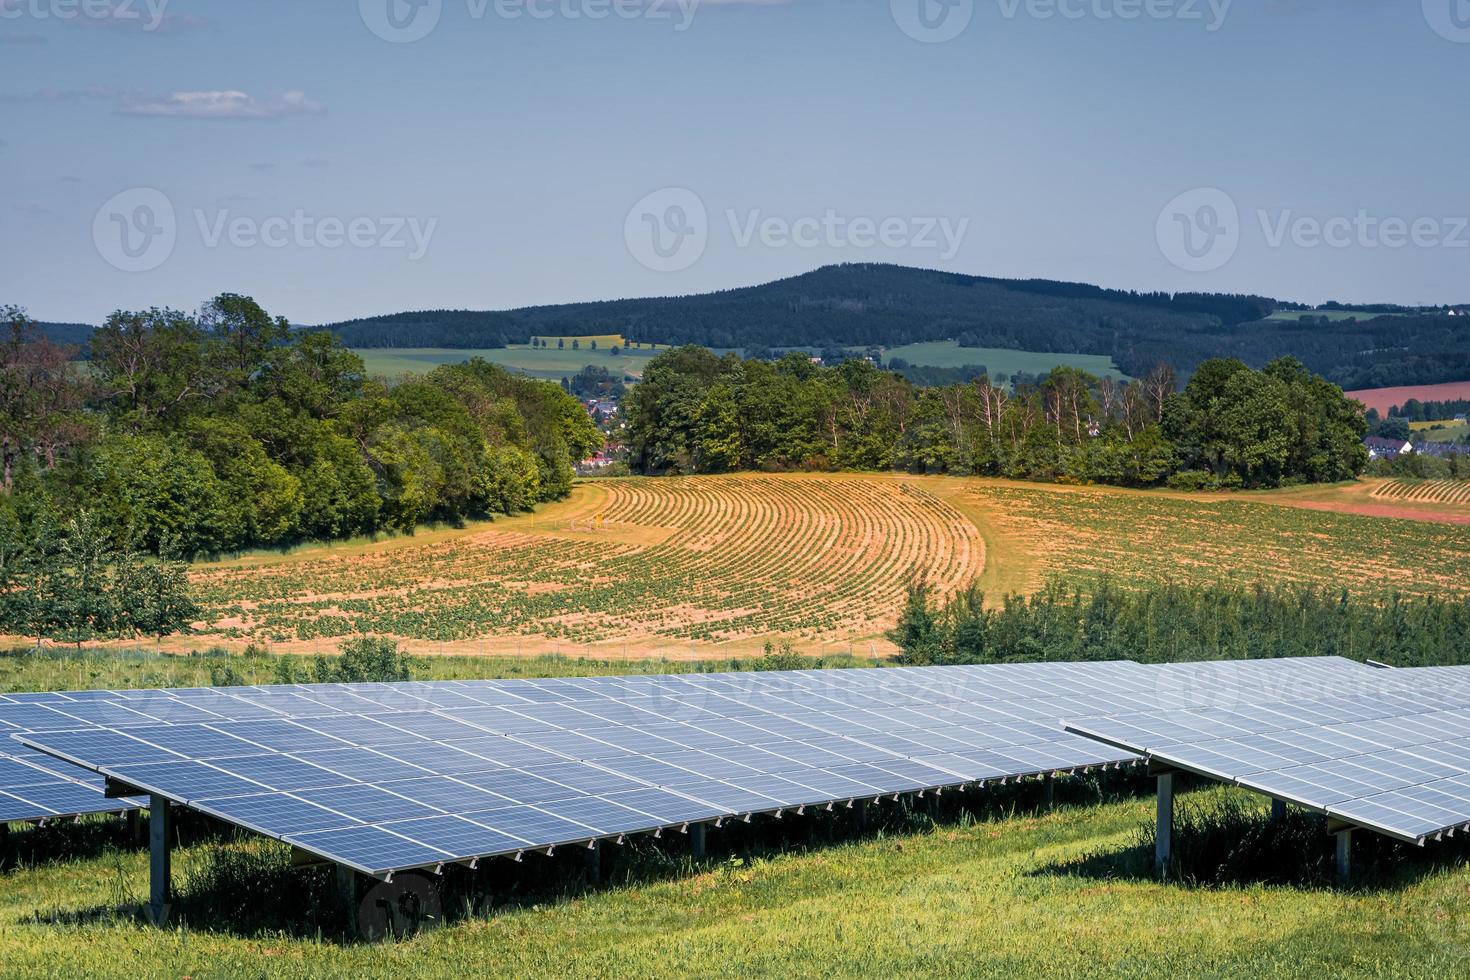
{"type": "Point", "coordinates": [1008, 898]}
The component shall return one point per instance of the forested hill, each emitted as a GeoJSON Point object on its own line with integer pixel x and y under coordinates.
{"type": "Point", "coordinates": [888, 306]}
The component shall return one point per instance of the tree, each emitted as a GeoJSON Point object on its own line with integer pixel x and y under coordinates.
{"type": "Point", "coordinates": [41, 397]}
{"type": "Point", "coordinates": [153, 596]}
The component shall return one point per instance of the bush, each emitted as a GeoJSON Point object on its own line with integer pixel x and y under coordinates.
{"type": "Point", "coordinates": [370, 659]}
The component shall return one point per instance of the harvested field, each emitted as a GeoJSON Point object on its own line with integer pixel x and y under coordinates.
{"type": "Point", "coordinates": [709, 560]}
{"type": "Point", "coordinates": [1384, 399]}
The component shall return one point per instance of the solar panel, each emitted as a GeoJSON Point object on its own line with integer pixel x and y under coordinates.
{"type": "Point", "coordinates": [316, 764]}
{"type": "Point", "coordinates": [1391, 754]}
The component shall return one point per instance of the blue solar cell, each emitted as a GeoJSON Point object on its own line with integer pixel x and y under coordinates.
{"type": "Point", "coordinates": [370, 849]}
{"type": "Point", "coordinates": [458, 836]}
{"type": "Point", "coordinates": [447, 794]}
{"type": "Point", "coordinates": [668, 807]}
{"type": "Point", "coordinates": [277, 814]}
{"type": "Point", "coordinates": [369, 804]}
{"type": "Point", "coordinates": [521, 787]}
{"type": "Point", "coordinates": [187, 780]}
{"type": "Point", "coordinates": [194, 741]}
{"type": "Point", "coordinates": [105, 748]}
{"type": "Point", "coordinates": [584, 778]}
{"type": "Point", "coordinates": [282, 772]}
{"type": "Point", "coordinates": [532, 824]}
{"type": "Point", "coordinates": [602, 815]}
{"type": "Point", "coordinates": [15, 808]}
{"type": "Point", "coordinates": [281, 736]}
{"type": "Point", "coordinates": [440, 758]}
{"type": "Point", "coordinates": [362, 764]}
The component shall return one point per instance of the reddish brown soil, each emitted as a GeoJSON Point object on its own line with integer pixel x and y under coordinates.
{"type": "Point", "coordinates": [1385, 398]}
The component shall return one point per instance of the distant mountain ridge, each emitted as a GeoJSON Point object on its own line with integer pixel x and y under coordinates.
{"type": "Point", "coordinates": [875, 305]}
{"type": "Point", "coordinates": [889, 306]}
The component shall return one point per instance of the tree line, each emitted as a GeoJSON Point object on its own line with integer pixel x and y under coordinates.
{"type": "Point", "coordinates": [74, 583]}
{"type": "Point", "coordinates": [1170, 623]}
{"type": "Point", "coordinates": [1230, 426]}
{"type": "Point", "coordinates": [226, 429]}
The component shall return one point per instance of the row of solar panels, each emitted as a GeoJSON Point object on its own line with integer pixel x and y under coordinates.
{"type": "Point", "coordinates": [1395, 759]}
{"type": "Point", "coordinates": [388, 777]}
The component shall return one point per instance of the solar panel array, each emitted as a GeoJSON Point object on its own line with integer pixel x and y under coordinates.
{"type": "Point", "coordinates": [384, 778]}
{"type": "Point", "coordinates": [1390, 753]}
{"type": "Point", "coordinates": [389, 777]}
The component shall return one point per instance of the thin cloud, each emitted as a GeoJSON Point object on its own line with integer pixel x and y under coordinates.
{"type": "Point", "coordinates": [218, 105]}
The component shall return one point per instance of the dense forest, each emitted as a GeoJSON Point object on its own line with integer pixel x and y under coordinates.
{"type": "Point", "coordinates": [1167, 624]}
{"type": "Point", "coordinates": [1230, 426]}
{"type": "Point", "coordinates": [207, 433]}
{"type": "Point", "coordinates": [871, 305]}
{"type": "Point", "coordinates": [889, 306]}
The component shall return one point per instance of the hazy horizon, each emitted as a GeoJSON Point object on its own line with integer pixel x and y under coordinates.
{"type": "Point", "coordinates": [363, 157]}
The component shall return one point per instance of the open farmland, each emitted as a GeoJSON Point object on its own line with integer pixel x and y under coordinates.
{"type": "Point", "coordinates": [1153, 537]}
{"type": "Point", "coordinates": [1432, 491]}
{"type": "Point", "coordinates": [646, 563]}
{"type": "Point", "coordinates": [716, 566]}
{"type": "Point", "coordinates": [1384, 399]}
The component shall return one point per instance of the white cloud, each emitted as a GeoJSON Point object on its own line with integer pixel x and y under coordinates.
{"type": "Point", "coordinates": [218, 105]}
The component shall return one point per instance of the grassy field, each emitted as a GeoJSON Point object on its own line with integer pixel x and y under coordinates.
{"type": "Point", "coordinates": [1335, 316]}
{"type": "Point", "coordinates": [1442, 431]}
{"type": "Point", "coordinates": [549, 365]}
{"type": "Point", "coordinates": [1000, 362]}
{"type": "Point", "coordinates": [989, 886]}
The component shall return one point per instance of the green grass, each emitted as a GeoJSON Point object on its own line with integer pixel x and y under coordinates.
{"type": "Point", "coordinates": [1336, 316]}
{"type": "Point", "coordinates": [118, 669]}
{"type": "Point", "coordinates": [1442, 431]}
{"type": "Point", "coordinates": [1007, 892]}
{"type": "Point", "coordinates": [1000, 362]}
{"type": "Point", "coordinates": [549, 365]}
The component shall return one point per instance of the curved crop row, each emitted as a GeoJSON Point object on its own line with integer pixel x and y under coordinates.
{"type": "Point", "coordinates": [1426, 491]}
{"type": "Point", "coordinates": [719, 559]}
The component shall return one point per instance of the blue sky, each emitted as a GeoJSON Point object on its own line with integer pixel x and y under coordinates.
{"type": "Point", "coordinates": [1306, 149]}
